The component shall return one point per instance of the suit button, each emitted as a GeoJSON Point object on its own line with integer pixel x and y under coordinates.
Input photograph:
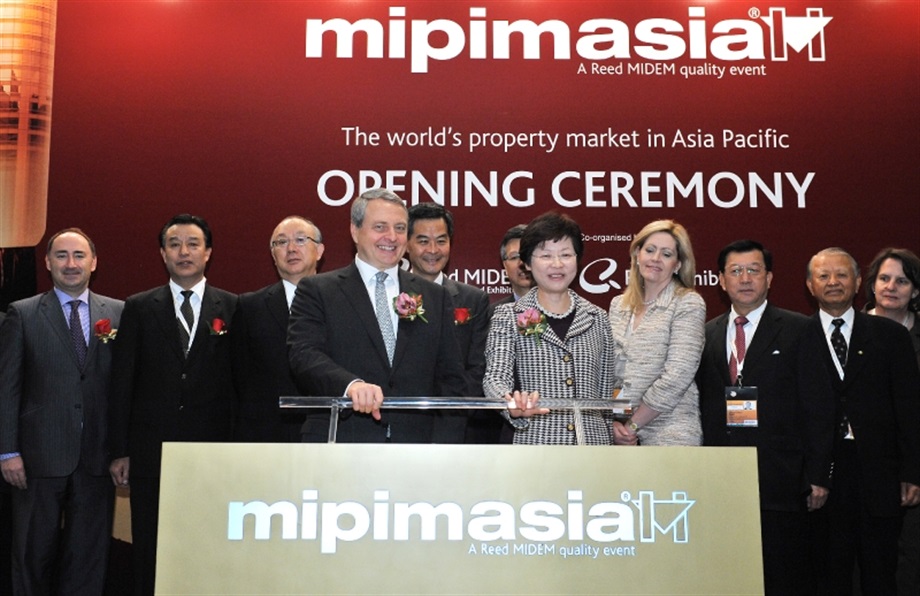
{"type": "Point", "coordinates": [181, 408]}
{"type": "Point", "coordinates": [567, 358]}
{"type": "Point", "coordinates": [570, 427]}
{"type": "Point", "coordinates": [78, 406]}
{"type": "Point", "coordinates": [183, 376]}
{"type": "Point", "coordinates": [570, 381]}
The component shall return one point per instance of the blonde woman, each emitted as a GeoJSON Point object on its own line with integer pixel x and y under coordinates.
{"type": "Point", "coordinates": [658, 336]}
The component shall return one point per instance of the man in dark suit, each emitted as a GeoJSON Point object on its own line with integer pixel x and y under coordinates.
{"type": "Point", "coordinates": [870, 363]}
{"type": "Point", "coordinates": [752, 356]}
{"type": "Point", "coordinates": [54, 394]}
{"type": "Point", "coordinates": [371, 328]}
{"type": "Point", "coordinates": [431, 235]}
{"type": "Point", "coordinates": [171, 379]}
{"type": "Point", "coordinates": [259, 339]}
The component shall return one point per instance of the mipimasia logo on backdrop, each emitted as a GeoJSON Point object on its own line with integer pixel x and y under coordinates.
{"type": "Point", "coordinates": [421, 41]}
{"type": "Point", "coordinates": [609, 528]}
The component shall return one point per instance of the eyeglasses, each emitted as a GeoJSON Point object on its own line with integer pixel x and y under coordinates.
{"type": "Point", "coordinates": [300, 241]}
{"type": "Point", "coordinates": [739, 271]}
{"type": "Point", "coordinates": [513, 257]}
{"type": "Point", "coordinates": [547, 258]}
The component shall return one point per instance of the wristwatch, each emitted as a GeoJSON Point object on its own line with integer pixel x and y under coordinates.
{"type": "Point", "coordinates": [632, 425]}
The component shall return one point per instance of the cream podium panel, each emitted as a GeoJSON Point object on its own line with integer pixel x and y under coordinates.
{"type": "Point", "coordinates": [452, 519]}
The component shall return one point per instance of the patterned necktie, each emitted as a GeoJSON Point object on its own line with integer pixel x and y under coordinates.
{"type": "Point", "coordinates": [76, 332]}
{"type": "Point", "coordinates": [383, 315]}
{"type": "Point", "coordinates": [740, 348]}
{"type": "Point", "coordinates": [189, 316]}
{"type": "Point", "coordinates": [839, 342]}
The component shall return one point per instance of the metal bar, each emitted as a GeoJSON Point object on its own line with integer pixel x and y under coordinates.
{"type": "Point", "coordinates": [618, 406]}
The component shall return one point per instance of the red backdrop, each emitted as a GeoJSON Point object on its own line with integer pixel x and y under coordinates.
{"type": "Point", "coordinates": [214, 108]}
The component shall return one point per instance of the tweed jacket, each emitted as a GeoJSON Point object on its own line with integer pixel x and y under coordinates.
{"type": "Point", "coordinates": [578, 366]}
{"type": "Point", "coordinates": [658, 362]}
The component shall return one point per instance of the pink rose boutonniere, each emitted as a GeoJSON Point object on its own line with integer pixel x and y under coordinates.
{"type": "Point", "coordinates": [218, 327]}
{"type": "Point", "coordinates": [409, 306]}
{"type": "Point", "coordinates": [531, 322]}
{"type": "Point", "coordinates": [104, 331]}
{"type": "Point", "coordinates": [462, 316]}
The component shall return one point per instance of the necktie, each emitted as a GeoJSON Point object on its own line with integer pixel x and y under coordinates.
{"type": "Point", "coordinates": [839, 342]}
{"type": "Point", "coordinates": [76, 332]}
{"type": "Point", "coordinates": [189, 316]}
{"type": "Point", "coordinates": [740, 348]}
{"type": "Point", "coordinates": [383, 315]}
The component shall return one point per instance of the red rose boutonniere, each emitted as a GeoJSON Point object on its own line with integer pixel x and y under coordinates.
{"type": "Point", "coordinates": [462, 316]}
{"type": "Point", "coordinates": [104, 331]}
{"type": "Point", "coordinates": [531, 322]}
{"type": "Point", "coordinates": [218, 327]}
{"type": "Point", "coordinates": [409, 306]}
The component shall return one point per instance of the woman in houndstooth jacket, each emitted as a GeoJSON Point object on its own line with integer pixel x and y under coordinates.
{"type": "Point", "coordinates": [658, 336]}
{"type": "Point", "coordinates": [551, 343]}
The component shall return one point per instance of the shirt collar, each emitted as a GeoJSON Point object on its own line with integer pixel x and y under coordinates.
{"type": "Point", "coordinates": [197, 289]}
{"type": "Point", "coordinates": [368, 272]}
{"type": "Point", "coordinates": [753, 317]}
{"type": "Point", "coordinates": [827, 319]}
{"type": "Point", "coordinates": [65, 298]}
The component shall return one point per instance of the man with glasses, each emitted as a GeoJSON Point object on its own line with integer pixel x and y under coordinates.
{"type": "Point", "coordinates": [756, 389]}
{"type": "Point", "coordinates": [259, 340]}
{"type": "Point", "coordinates": [518, 276]}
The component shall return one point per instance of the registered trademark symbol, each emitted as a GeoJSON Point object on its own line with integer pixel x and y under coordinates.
{"type": "Point", "coordinates": [754, 13]}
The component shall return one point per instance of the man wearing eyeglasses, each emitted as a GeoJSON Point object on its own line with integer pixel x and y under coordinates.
{"type": "Point", "coordinates": [259, 340]}
{"type": "Point", "coordinates": [757, 390]}
{"type": "Point", "coordinates": [518, 277]}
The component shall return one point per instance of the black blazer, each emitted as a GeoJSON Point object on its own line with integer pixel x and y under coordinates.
{"type": "Point", "coordinates": [260, 368]}
{"type": "Point", "coordinates": [880, 396]}
{"type": "Point", "coordinates": [794, 437]}
{"type": "Point", "coordinates": [471, 336]}
{"type": "Point", "coordinates": [160, 395]}
{"type": "Point", "coordinates": [53, 412]}
{"type": "Point", "coordinates": [334, 338]}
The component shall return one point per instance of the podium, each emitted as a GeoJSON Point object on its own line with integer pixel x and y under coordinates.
{"type": "Point", "coordinates": [334, 518]}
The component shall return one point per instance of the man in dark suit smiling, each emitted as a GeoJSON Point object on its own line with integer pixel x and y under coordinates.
{"type": "Point", "coordinates": [359, 332]}
{"type": "Point", "coordinates": [753, 355]}
{"type": "Point", "coordinates": [259, 339]}
{"type": "Point", "coordinates": [54, 391]}
{"type": "Point", "coordinates": [870, 361]}
{"type": "Point", "coordinates": [172, 378]}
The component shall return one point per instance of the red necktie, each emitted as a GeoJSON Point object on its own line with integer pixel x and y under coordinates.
{"type": "Point", "coordinates": [740, 347]}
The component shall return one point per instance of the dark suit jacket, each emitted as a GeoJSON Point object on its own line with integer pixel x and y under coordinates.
{"type": "Point", "coordinates": [471, 336]}
{"type": "Point", "coordinates": [334, 338]}
{"type": "Point", "coordinates": [158, 394]}
{"type": "Point", "coordinates": [794, 437]}
{"type": "Point", "coordinates": [51, 411]}
{"type": "Point", "coordinates": [260, 367]}
{"type": "Point", "coordinates": [880, 396]}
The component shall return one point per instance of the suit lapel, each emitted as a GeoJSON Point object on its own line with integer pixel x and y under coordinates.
{"type": "Point", "coordinates": [98, 310]}
{"type": "Point", "coordinates": [821, 339]}
{"type": "Point", "coordinates": [763, 338]}
{"type": "Point", "coordinates": [165, 313]}
{"type": "Point", "coordinates": [355, 293]}
{"type": "Point", "coordinates": [276, 303]}
{"type": "Point", "coordinates": [720, 349]}
{"type": "Point", "coordinates": [50, 307]}
{"type": "Point", "coordinates": [407, 329]}
{"type": "Point", "coordinates": [210, 310]}
{"type": "Point", "coordinates": [860, 343]}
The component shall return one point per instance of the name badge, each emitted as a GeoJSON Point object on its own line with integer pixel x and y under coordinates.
{"type": "Point", "coordinates": [741, 407]}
